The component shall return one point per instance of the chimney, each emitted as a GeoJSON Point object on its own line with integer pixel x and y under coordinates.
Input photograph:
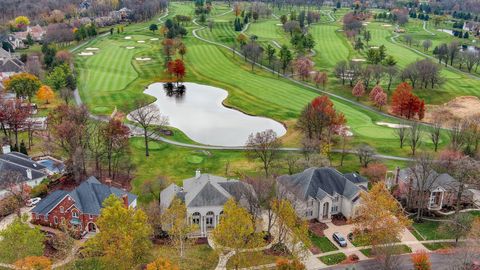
{"type": "Point", "coordinates": [125, 200]}
{"type": "Point", "coordinates": [29, 174]}
{"type": "Point", "coordinates": [198, 174]}
{"type": "Point", "coordinates": [397, 175]}
{"type": "Point", "coordinates": [6, 149]}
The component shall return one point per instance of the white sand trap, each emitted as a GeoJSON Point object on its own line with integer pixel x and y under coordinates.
{"type": "Point", "coordinates": [86, 54]}
{"type": "Point", "coordinates": [392, 125]}
{"type": "Point", "coordinates": [340, 30]}
{"type": "Point", "coordinates": [386, 25]}
{"type": "Point", "coordinates": [374, 47]}
{"type": "Point", "coordinates": [153, 39]}
{"type": "Point", "coordinates": [129, 48]}
{"type": "Point", "coordinates": [141, 41]}
{"type": "Point", "coordinates": [279, 24]}
{"type": "Point", "coordinates": [358, 60]}
{"type": "Point", "coordinates": [92, 49]}
{"type": "Point", "coordinates": [128, 37]}
{"type": "Point", "coordinates": [143, 58]}
{"type": "Point", "coordinates": [365, 24]}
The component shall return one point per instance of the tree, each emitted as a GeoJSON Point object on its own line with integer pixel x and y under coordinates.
{"type": "Point", "coordinates": [23, 85]}
{"type": "Point", "coordinates": [405, 103]}
{"type": "Point", "coordinates": [414, 135]}
{"type": "Point", "coordinates": [304, 67]}
{"type": "Point", "coordinates": [264, 192]}
{"type": "Point", "coordinates": [124, 237]}
{"type": "Point", "coordinates": [15, 116]}
{"type": "Point", "coordinates": [434, 132]}
{"type": "Point", "coordinates": [34, 263]}
{"type": "Point", "coordinates": [286, 57]}
{"type": "Point", "coordinates": [291, 27]}
{"type": "Point", "coordinates": [147, 115]}
{"type": "Point", "coordinates": [45, 93]}
{"type": "Point", "coordinates": [13, 183]}
{"type": "Point", "coordinates": [161, 264]}
{"type": "Point", "coordinates": [288, 224]}
{"type": "Point", "coordinates": [453, 50]}
{"type": "Point", "coordinates": [252, 51]}
{"type": "Point", "coordinates": [182, 49]}
{"type": "Point", "coordinates": [63, 57]}
{"type": "Point", "coordinates": [21, 22]}
{"type": "Point", "coordinates": [427, 44]}
{"type": "Point", "coordinates": [177, 69]}
{"type": "Point", "coordinates": [457, 227]}
{"type": "Point", "coordinates": [115, 137]}
{"type": "Point", "coordinates": [375, 172]}
{"type": "Point", "coordinates": [153, 27]}
{"type": "Point", "coordinates": [285, 264]}
{"type": "Point", "coordinates": [379, 222]}
{"type": "Point", "coordinates": [421, 260]}
{"type": "Point", "coordinates": [320, 78]}
{"type": "Point", "coordinates": [366, 154]}
{"type": "Point", "coordinates": [270, 50]}
{"type": "Point", "coordinates": [401, 133]}
{"type": "Point", "coordinates": [241, 39]}
{"type": "Point", "coordinates": [176, 224]}
{"type": "Point", "coordinates": [20, 241]}
{"type": "Point", "coordinates": [263, 146]}
{"type": "Point", "coordinates": [359, 90]}
{"type": "Point", "coordinates": [380, 100]}
{"type": "Point", "coordinates": [236, 231]}
{"type": "Point", "coordinates": [367, 36]}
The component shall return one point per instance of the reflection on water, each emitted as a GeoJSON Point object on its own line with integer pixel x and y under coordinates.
{"type": "Point", "coordinates": [200, 114]}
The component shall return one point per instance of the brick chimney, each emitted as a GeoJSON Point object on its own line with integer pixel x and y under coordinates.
{"type": "Point", "coordinates": [125, 200]}
{"type": "Point", "coordinates": [29, 174]}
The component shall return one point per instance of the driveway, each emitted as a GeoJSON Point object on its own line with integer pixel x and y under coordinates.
{"type": "Point", "coordinates": [9, 219]}
{"type": "Point", "coordinates": [343, 230]}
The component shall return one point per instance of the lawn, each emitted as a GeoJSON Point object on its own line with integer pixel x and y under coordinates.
{"type": "Point", "coordinates": [250, 259]}
{"type": "Point", "coordinates": [196, 257]}
{"type": "Point", "coordinates": [333, 259]}
{"type": "Point", "coordinates": [401, 249]}
{"type": "Point", "coordinates": [322, 243]}
{"type": "Point", "coordinates": [430, 229]}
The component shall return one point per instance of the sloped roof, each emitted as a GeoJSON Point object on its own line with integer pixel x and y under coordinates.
{"type": "Point", "coordinates": [318, 182]}
{"type": "Point", "coordinates": [434, 179]}
{"type": "Point", "coordinates": [208, 195]}
{"type": "Point", "coordinates": [88, 197]}
{"type": "Point", "coordinates": [46, 204]}
{"type": "Point", "coordinates": [20, 163]}
{"type": "Point", "coordinates": [356, 178]}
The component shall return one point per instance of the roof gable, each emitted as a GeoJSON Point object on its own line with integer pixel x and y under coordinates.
{"type": "Point", "coordinates": [209, 195]}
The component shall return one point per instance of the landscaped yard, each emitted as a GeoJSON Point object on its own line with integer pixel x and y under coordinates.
{"type": "Point", "coordinates": [257, 258]}
{"type": "Point", "coordinates": [322, 243]}
{"type": "Point", "coordinates": [333, 259]}
{"type": "Point", "coordinates": [196, 257]}
{"type": "Point", "coordinates": [400, 249]}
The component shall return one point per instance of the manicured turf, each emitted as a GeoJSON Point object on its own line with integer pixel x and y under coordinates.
{"type": "Point", "coordinates": [401, 249]}
{"type": "Point", "coordinates": [196, 257]}
{"type": "Point", "coordinates": [322, 243]}
{"type": "Point", "coordinates": [250, 259]}
{"type": "Point", "coordinates": [333, 259]}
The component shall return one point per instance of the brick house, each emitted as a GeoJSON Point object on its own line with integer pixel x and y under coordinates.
{"type": "Point", "coordinates": [79, 208]}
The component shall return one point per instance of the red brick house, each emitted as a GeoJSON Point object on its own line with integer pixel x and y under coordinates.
{"type": "Point", "coordinates": [79, 208]}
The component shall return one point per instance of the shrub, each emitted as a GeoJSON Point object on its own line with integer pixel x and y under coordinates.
{"type": "Point", "coordinates": [39, 191]}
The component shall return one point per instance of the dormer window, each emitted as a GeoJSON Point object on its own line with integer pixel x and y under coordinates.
{"type": "Point", "coordinates": [74, 214]}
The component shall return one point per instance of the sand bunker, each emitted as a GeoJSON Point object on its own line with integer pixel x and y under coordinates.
{"type": "Point", "coordinates": [128, 37]}
{"type": "Point", "coordinates": [143, 58]}
{"type": "Point", "coordinates": [358, 60]}
{"type": "Point", "coordinates": [392, 125]}
{"type": "Point", "coordinates": [153, 39]}
{"type": "Point", "coordinates": [374, 47]}
{"type": "Point", "coordinates": [92, 49]}
{"type": "Point", "coordinates": [459, 107]}
{"type": "Point", "coordinates": [141, 41]}
{"type": "Point", "coordinates": [86, 54]}
{"type": "Point", "coordinates": [129, 48]}
{"type": "Point", "coordinates": [279, 24]}
{"type": "Point", "coordinates": [386, 25]}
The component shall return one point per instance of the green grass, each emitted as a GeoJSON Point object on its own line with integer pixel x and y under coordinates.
{"type": "Point", "coordinates": [401, 249]}
{"type": "Point", "coordinates": [251, 259]}
{"type": "Point", "coordinates": [333, 259]}
{"type": "Point", "coordinates": [437, 246]}
{"type": "Point", "coordinates": [430, 230]}
{"type": "Point", "coordinates": [196, 257]}
{"type": "Point", "coordinates": [322, 243]}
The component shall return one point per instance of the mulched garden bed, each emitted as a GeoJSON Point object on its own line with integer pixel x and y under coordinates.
{"type": "Point", "coordinates": [317, 227]}
{"type": "Point", "coordinates": [339, 220]}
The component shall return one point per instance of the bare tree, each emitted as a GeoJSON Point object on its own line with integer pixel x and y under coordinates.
{"type": "Point", "coordinates": [457, 133]}
{"type": "Point", "coordinates": [264, 192]}
{"type": "Point", "coordinates": [453, 50]}
{"type": "Point", "coordinates": [401, 133]}
{"type": "Point", "coordinates": [466, 171]}
{"type": "Point", "coordinates": [427, 44]}
{"type": "Point", "coordinates": [264, 146]}
{"type": "Point", "coordinates": [152, 188]}
{"type": "Point", "coordinates": [366, 154]}
{"type": "Point", "coordinates": [147, 115]}
{"type": "Point", "coordinates": [391, 72]}
{"type": "Point", "coordinates": [434, 131]}
{"type": "Point", "coordinates": [13, 182]}
{"type": "Point", "coordinates": [415, 133]}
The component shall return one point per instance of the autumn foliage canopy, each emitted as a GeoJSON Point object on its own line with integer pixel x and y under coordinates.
{"type": "Point", "coordinates": [421, 261]}
{"type": "Point", "coordinates": [34, 262]}
{"type": "Point", "coordinates": [176, 68]}
{"type": "Point", "coordinates": [45, 93]}
{"type": "Point", "coordinates": [406, 104]}
{"type": "Point", "coordinates": [161, 264]}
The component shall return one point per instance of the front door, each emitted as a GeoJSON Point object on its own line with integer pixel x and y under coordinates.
{"type": "Point", "coordinates": [326, 209]}
{"type": "Point", "coordinates": [92, 227]}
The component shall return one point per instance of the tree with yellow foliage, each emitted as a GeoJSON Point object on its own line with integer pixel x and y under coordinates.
{"type": "Point", "coordinates": [176, 224]}
{"type": "Point", "coordinates": [379, 221]}
{"type": "Point", "coordinates": [34, 263]}
{"type": "Point", "coordinates": [21, 22]}
{"type": "Point", "coordinates": [161, 264]}
{"type": "Point", "coordinates": [285, 264]}
{"type": "Point", "coordinates": [45, 93]}
{"type": "Point", "coordinates": [236, 231]}
{"type": "Point", "coordinates": [124, 238]}
{"type": "Point", "coordinates": [23, 85]}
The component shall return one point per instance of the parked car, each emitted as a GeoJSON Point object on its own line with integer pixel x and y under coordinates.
{"type": "Point", "coordinates": [33, 201]}
{"type": "Point", "coordinates": [339, 239]}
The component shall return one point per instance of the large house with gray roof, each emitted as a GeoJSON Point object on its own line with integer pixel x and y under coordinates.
{"type": "Point", "coordinates": [79, 208]}
{"type": "Point", "coordinates": [28, 172]}
{"type": "Point", "coordinates": [319, 193]}
{"type": "Point", "coordinates": [204, 196]}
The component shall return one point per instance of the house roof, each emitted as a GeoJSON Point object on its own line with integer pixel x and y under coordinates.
{"type": "Point", "coordinates": [17, 162]}
{"type": "Point", "coordinates": [205, 190]}
{"type": "Point", "coordinates": [88, 197]}
{"type": "Point", "coordinates": [434, 179]}
{"type": "Point", "coordinates": [356, 178]}
{"type": "Point", "coordinates": [318, 183]}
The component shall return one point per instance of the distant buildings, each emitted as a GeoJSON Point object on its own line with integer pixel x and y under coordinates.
{"type": "Point", "coordinates": [36, 32]}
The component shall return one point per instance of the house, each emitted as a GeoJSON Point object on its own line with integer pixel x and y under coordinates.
{"type": "Point", "coordinates": [319, 193]}
{"type": "Point", "coordinates": [10, 64]}
{"type": "Point", "coordinates": [79, 208]}
{"type": "Point", "coordinates": [440, 190]}
{"type": "Point", "coordinates": [204, 196]}
{"type": "Point", "coordinates": [31, 172]}
{"type": "Point", "coordinates": [36, 32]}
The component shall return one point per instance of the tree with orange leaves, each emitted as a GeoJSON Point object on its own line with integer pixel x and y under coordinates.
{"type": "Point", "coordinates": [45, 93]}
{"type": "Point", "coordinates": [285, 264]}
{"type": "Point", "coordinates": [34, 263]}
{"type": "Point", "coordinates": [421, 261]}
{"type": "Point", "coordinates": [406, 104]}
{"type": "Point", "coordinates": [162, 264]}
{"type": "Point", "coordinates": [176, 68]}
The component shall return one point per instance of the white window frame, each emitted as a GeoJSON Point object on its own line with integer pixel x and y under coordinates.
{"type": "Point", "coordinates": [62, 210]}
{"type": "Point", "coordinates": [74, 214]}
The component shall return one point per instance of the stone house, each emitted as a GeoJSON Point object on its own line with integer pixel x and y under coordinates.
{"type": "Point", "coordinates": [79, 208]}
{"type": "Point", "coordinates": [319, 193]}
{"type": "Point", "coordinates": [204, 196]}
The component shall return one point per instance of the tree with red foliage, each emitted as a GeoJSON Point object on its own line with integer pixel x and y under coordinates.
{"type": "Point", "coordinates": [176, 68]}
{"type": "Point", "coordinates": [380, 100]}
{"type": "Point", "coordinates": [375, 172]}
{"type": "Point", "coordinates": [115, 135]}
{"type": "Point", "coordinates": [304, 67]}
{"type": "Point", "coordinates": [375, 91]}
{"type": "Point", "coordinates": [319, 118]}
{"type": "Point", "coordinates": [320, 78]}
{"type": "Point", "coordinates": [405, 103]}
{"type": "Point", "coordinates": [421, 261]}
{"type": "Point", "coordinates": [358, 90]}
{"type": "Point", "coordinates": [14, 115]}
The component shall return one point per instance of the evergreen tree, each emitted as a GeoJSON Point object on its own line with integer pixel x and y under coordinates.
{"type": "Point", "coordinates": [23, 148]}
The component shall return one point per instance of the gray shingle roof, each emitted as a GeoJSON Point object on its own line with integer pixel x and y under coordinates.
{"type": "Point", "coordinates": [17, 162]}
{"type": "Point", "coordinates": [318, 182]}
{"type": "Point", "coordinates": [46, 204]}
{"type": "Point", "coordinates": [434, 180]}
{"type": "Point", "coordinates": [88, 197]}
{"type": "Point", "coordinates": [356, 178]}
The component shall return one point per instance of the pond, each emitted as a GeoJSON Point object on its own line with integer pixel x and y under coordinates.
{"type": "Point", "coordinates": [200, 114]}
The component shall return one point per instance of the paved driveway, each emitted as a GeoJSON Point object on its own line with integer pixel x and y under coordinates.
{"type": "Point", "coordinates": [343, 230]}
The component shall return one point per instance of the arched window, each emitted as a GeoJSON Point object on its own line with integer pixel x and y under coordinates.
{"type": "Point", "coordinates": [196, 218]}
{"type": "Point", "coordinates": [55, 220]}
{"type": "Point", "coordinates": [209, 218]}
{"type": "Point", "coordinates": [62, 210]}
{"type": "Point", "coordinates": [74, 214]}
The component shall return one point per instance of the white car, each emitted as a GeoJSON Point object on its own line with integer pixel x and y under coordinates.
{"type": "Point", "coordinates": [33, 201]}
